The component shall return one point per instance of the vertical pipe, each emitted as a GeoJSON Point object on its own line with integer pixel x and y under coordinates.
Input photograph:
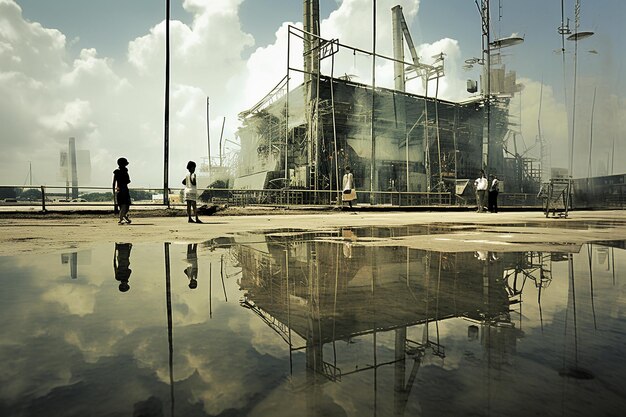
{"type": "Point", "coordinates": [288, 299]}
{"type": "Point", "coordinates": [456, 126]}
{"type": "Point", "coordinates": [373, 138]}
{"type": "Point", "coordinates": [222, 275]}
{"type": "Point", "coordinates": [426, 140]}
{"type": "Point", "coordinates": [332, 100]}
{"type": "Point", "coordinates": [170, 342]}
{"type": "Point", "coordinates": [438, 138]}
{"type": "Point", "coordinates": [487, 64]}
{"type": "Point", "coordinates": [73, 167]}
{"type": "Point", "coordinates": [208, 136]}
{"type": "Point", "coordinates": [287, 104]}
{"type": "Point", "coordinates": [573, 140]}
{"type": "Point", "coordinates": [166, 133]}
{"type": "Point", "coordinates": [406, 145]}
{"type": "Point", "coordinates": [221, 135]}
{"type": "Point", "coordinates": [43, 198]}
{"type": "Point", "coordinates": [593, 106]}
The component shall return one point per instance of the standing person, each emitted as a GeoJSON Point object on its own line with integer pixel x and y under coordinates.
{"type": "Point", "coordinates": [349, 193]}
{"type": "Point", "coordinates": [121, 179]}
{"type": "Point", "coordinates": [481, 185]}
{"type": "Point", "coordinates": [494, 189]}
{"type": "Point", "coordinates": [191, 192]}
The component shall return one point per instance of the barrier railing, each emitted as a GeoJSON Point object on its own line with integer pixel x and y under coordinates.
{"type": "Point", "coordinates": [48, 196]}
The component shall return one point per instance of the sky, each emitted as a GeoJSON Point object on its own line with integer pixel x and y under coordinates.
{"type": "Point", "coordinates": [95, 71]}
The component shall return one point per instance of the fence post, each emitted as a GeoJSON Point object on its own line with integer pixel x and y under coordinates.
{"type": "Point", "coordinates": [43, 198]}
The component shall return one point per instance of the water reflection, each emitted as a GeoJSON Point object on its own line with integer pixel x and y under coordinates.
{"type": "Point", "coordinates": [121, 265]}
{"type": "Point", "coordinates": [329, 327]}
{"type": "Point", "coordinates": [72, 259]}
{"type": "Point", "coordinates": [192, 265]}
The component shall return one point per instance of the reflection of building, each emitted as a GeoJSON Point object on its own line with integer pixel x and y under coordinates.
{"type": "Point", "coordinates": [313, 296]}
{"type": "Point", "coordinates": [72, 259]}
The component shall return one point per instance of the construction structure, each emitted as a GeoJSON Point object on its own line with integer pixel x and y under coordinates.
{"type": "Point", "coordinates": [303, 137]}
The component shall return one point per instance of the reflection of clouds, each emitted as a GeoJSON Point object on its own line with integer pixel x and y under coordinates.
{"type": "Point", "coordinates": [77, 299]}
{"type": "Point", "coordinates": [217, 366]}
{"type": "Point", "coordinates": [34, 367]}
{"type": "Point", "coordinates": [78, 339]}
{"type": "Point", "coordinates": [266, 341]}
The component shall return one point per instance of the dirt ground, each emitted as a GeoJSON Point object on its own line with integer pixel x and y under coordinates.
{"type": "Point", "coordinates": [31, 232]}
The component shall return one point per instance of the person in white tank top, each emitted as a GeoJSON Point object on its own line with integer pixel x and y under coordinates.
{"type": "Point", "coordinates": [191, 192]}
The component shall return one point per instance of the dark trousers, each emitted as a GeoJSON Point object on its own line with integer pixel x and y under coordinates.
{"type": "Point", "coordinates": [492, 203]}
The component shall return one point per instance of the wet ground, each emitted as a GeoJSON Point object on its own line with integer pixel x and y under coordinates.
{"type": "Point", "coordinates": [334, 321]}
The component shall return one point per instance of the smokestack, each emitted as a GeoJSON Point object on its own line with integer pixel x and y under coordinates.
{"type": "Point", "coordinates": [311, 24]}
{"type": "Point", "coordinates": [398, 48]}
{"type": "Point", "coordinates": [74, 170]}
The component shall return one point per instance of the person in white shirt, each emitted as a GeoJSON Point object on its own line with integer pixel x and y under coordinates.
{"type": "Point", "coordinates": [191, 192]}
{"type": "Point", "coordinates": [481, 185]}
{"type": "Point", "coordinates": [349, 193]}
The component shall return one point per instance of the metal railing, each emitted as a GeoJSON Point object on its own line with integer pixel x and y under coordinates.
{"type": "Point", "coordinates": [62, 196]}
{"type": "Point", "coordinates": [47, 196]}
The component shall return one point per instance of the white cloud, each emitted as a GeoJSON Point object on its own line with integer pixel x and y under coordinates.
{"type": "Point", "coordinates": [115, 107]}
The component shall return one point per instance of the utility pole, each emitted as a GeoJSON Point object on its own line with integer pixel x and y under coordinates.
{"type": "Point", "coordinates": [486, 57]}
{"type": "Point", "coordinates": [166, 141]}
{"type": "Point", "coordinates": [373, 176]}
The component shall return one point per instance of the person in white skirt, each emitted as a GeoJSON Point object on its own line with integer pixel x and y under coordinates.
{"type": "Point", "coordinates": [191, 192]}
{"type": "Point", "coordinates": [349, 193]}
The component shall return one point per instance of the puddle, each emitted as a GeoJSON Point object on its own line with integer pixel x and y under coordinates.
{"type": "Point", "coordinates": [289, 323]}
{"type": "Point", "coordinates": [390, 232]}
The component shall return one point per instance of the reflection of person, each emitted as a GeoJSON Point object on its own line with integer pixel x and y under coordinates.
{"type": "Point", "coordinates": [121, 264]}
{"type": "Point", "coordinates": [121, 179]}
{"type": "Point", "coordinates": [192, 265]}
{"type": "Point", "coordinates": [481, 185]}
{"type": "Point", "coordinates": [494, 189]}
{"type": "Point", "coordinates": [349, 192]}
{"type": "Point", "coordinates": [481, 255]}
{"type": "Point", "coordinates": [350, 237]}
{"type": "Point", "coordinates": [191, 192]}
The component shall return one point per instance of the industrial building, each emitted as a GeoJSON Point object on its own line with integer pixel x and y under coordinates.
{"type": "Point", "coordinates": [302, 137]}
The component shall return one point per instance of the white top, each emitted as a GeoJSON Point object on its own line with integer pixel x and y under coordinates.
{"type": "Point", "coordinates": [348, 181]}
{"type": "Point", "coordinates": [191, 191]}
{"type": "Point", "coordinates": [481, 183]}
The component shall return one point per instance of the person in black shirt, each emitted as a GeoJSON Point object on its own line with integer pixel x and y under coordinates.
{"type": "Point", "coordinates": [494, 189]}
{"type": "Point", "coordinates": [121, 179]}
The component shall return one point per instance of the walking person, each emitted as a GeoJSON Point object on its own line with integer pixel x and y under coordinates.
{"type": "Point", "coordinates": [481, 185]}
{"type": "Point", "coordinates": [349, 193]}
{"type": "Point", "coordinates": [191, 192]}
{"type": "Point", "coordinates": [121, 193]}
{"type": "Point", "coordinates": [494, 189]}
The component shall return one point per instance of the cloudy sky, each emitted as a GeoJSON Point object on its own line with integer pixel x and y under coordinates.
{"type": "Point", "coordinates": [95, 71]}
